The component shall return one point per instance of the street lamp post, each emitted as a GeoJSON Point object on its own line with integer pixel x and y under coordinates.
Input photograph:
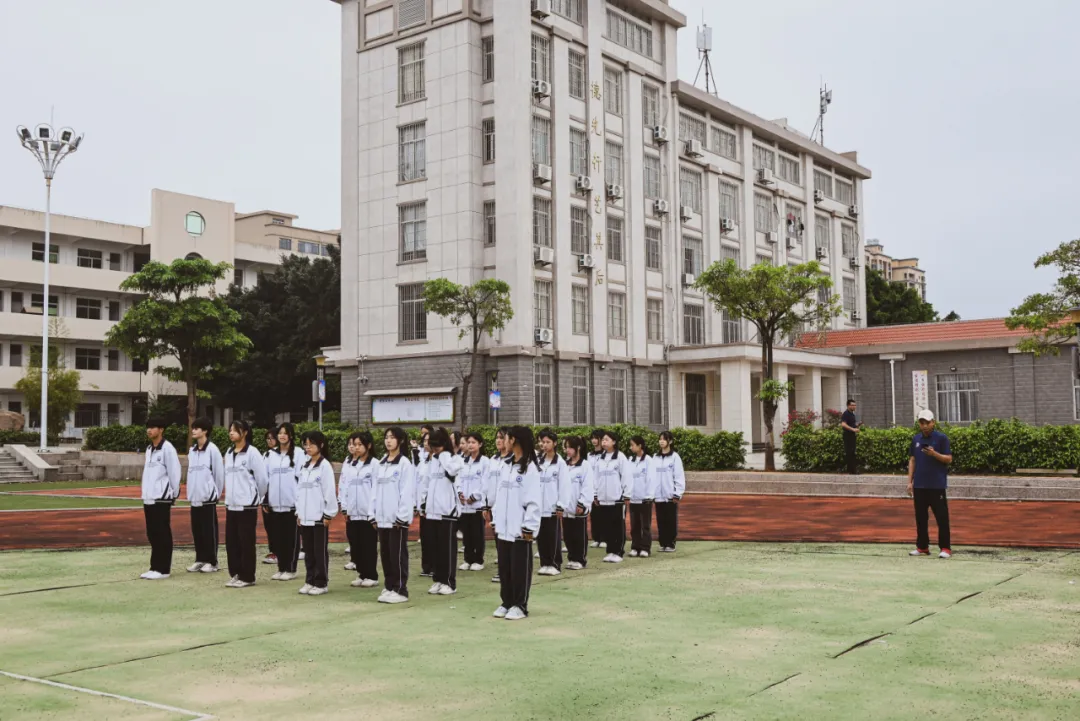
{"type": "Point", "coordinates": [320, 383]}
{"type": "Point", "coordinates": [50, 148]}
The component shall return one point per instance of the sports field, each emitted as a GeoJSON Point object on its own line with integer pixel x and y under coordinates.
{"type": "Point", "coordinates": [719, 630]}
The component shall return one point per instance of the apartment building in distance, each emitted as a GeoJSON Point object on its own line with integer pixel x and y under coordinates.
{"type": "Point", "coordinates": [900, 270]}
{"type": "Point", "coordinates": [90, 259]}
{"type": "Point", "coordinates": [550, 144]}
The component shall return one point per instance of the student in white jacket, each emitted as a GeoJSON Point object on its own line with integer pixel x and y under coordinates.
{"type": "Point", "coordinates": [245, 489]}
{"type": "Point", "coordinates": [271, 447]}
{"type": "Point", "coordinates": [421, 453]}
{"type": "Point", "coordinates": [671, 485]}
{"type": "Point", "coordinates": [555, 489]}
{"type": "Point", "coordinates": [517, 520]}
{"type": "Point", "coordinates": [316, 506]}
{"type": "Point", "coordinates": [596, 441]}
{"type": "Point", "coordinates": [205, 484]}
{"type": "Point", "coordinates": [160, 487]}
{"type": "Point", "coordinates": [498, 469]}
{"type": "Point", "coordinates": [392, 506]}
{"type": "Point", "coordinates": [614, 481]}
{"type": "Point", "coordinates": [642, 495]}
{"type": "Point", "coordinates": [355, 488]}
{"type": "Point", "coordinates": [474, 478]}
{"type": "Point", "coordinates": [442, 508]}
{"type": "Point", "coordinates": [283, 465]}
{"type": "Point", "coordinates": [581, 495]}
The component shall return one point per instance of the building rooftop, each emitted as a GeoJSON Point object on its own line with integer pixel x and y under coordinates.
{"type": "Point", "coordinates": [892, 335]}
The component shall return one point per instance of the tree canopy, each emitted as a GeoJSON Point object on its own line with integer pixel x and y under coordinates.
{"type": "Point", "coordinates": [1046, 315]}
{"type": "Point", "coordinates": [890, 302]}
{"type": "Point", "coordinates": [64, 393]}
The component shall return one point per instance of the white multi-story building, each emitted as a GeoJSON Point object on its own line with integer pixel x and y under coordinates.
{"type": "Point", "coordinates": [550, 144]}
{"type": "Point", "coordinates": [90, 259]}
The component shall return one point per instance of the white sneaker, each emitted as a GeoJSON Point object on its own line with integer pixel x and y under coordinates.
{"type": "Point", "coordinates": [564, 549]}
{"type": "Point", "coordinates": [286, 576]}
{"type": "Point", "coordinates": [945, 553]}
{"type": "Point", "coordinates": [445, 590]}
{"type": "Point", "coordinates": [316, 591]}
{"type": "Point", "coordinates": [305, 589]}
{"type": "Point", "coordinates": [145, 574]}
{"type": "Point", "coordinates": [276, 576]}
{"type": "Point", "coordinates": [919, 552]}
{"type": "Point", "coordinates": [603, 544]}
{"type": "Point", "coordinates": [368, 582]}
{"type": "Point", "coordinates": [667, 549]}
{"type": "Point", "coordinates": [301, 556]}
{"type": "Point", "coordinates": [643, 554]}
{"type": "Point", "coordinates": [594, 544]}
{"type": "Point", "coordinates": [460, 536]}
{"type": "Point", "coordinates": [633, 553]}
{"type": "Point", "coordinates": [350, 566]}
{"type": "Point", "coordinates": [434, 589]}
{"type": "Point", "coordinates": [208, 568]}
{"type": "Point", "coordinates": [515, 614]}
{"type": "Point", "coordinates": [232, 581]}
{"type": "Point", "coordinates": [536, 555]}
{"type": "Point", "coordinates": [155, 576]}
{"type": "Point", "coordinates": [616, 559]}
{"type": "Point", "coordinates": [495, 578]}
{"type": "Point", "coordinates": [383, 595]}
{"type": "Point", "coordinates": [348, 549]}
{"type": "Point", "coordinates": [476, 567]}
{"type": "Point", "coordinates": [195, 567]}
{"type": "Point", "coordinates": [393, 597]}
{"type": "Point", "coordinates": [243, 584]}
{"type": "Point", "coordinates": [500, 612]}
{"type": "Point", "coordinates": [607, 558]}
{"type": "Point", "coordinates": [574, 566]}
{"type": "Point", "coordinates": [357, 583]}
{"type": "Point", "coordinates": [464, 567]}
{"type": "Point", "coordinates": [269, 558]}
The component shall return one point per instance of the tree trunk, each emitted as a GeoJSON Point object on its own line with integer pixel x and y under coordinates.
{"type": "Point", "coordinates": [192, 405]}
{"type": "Point", "coordinates": [465, 383]}
{"type": "Point", "coordinates": [768, 407]}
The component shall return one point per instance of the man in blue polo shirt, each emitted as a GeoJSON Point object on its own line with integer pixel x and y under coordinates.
{"type": "Point", "coordinates": [928, 476]}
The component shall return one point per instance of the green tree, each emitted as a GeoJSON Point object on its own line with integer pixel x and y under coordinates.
{"type": "Point", "coordinates": [889, 302]}
{"type": "Point", "coordinates": [481, 308]}
{"type": "Point", "coordinates": [289, 316]}
{"type": "Point", "coordinates": [183, 320]}
{"type": "Point", "coordinates": [778, 300]}
{"type": "Point", "coordinates": [64, 393]}
{"type": "Point", "coordinates": [1046, 315]}
{"type": "Point", "coordinates": [952, 317]}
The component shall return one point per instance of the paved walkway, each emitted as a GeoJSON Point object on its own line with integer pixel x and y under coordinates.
{"type": "Point", "coordinates": [703, 517]}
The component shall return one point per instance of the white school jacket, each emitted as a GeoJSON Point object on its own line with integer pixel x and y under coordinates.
{"type": "Point", "coordinates": [440, 493]}
{"type": "Point", "coordinates": [394, 498]}
{"type": "Point", "coordinates": [420, 459]}
{"type": "Point", "coordinates": [245, 478]}
{"type": "Point", "coordinates": [316, 499]}
{"type": "Point", "coordinates": [496, 469]}
{"type": "Point", "coordinates": [282, 472]}
{"type": "Point", "coordinates": [355, 488]}
{"type": "Point", "coordinates": [614, 478]}
{"type": "Point", "coordinates": [161, 474]}
{"type": "Point", "coordinates": [671, 480]}
{"type": "Point", "coordinates": [517, 502]}
{"type": "Point", "coordinates": [582, 487]}
{"type": "Point", "coordinates": [473, 479]}
{"type": "Point", "coordinates": [205, 475]}
{"type": "Point", "coordinates": [554, 486]}
{"type": "Point", "coordinates": [644, 487]}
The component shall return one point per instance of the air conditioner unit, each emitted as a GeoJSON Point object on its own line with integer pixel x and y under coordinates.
{"type": "Point", "coordinates": [544, 336]}
{"type": "Point", "coordinates": [614, 191]}
{"type": "Point", "coordinates": [541, 88]}
{"type": "Point", "coordinates": [853, 211]}
{"type": "Point", "coordinates": [584, 183]}
{"type": "Point", "coordinates": [541, 173]}
{"type": "Point", "coordinates": [854, 262]}
{"type": "Point", "coordinates": [819, 196]}
{"type": "Point", "coordinates": [772, 237]}
{"type": "Point", "coordinates": [543, 256]}
{"type": "Point", "coordinates": [541, 8]}
{"type": "Point", "coordinates": [686, 212]}
{"type": "Point", "coordinates": [688, 279]}
{"type": "Point", "coordinates": [765, 176]}
{"type": "Point", "coordinates": [661, 207]}
{"type": "Point", "coordinates": [694, 149]}
{"type": "Point", "coordinates": [727, 225]}
{"type": "Point", "coordinates": [820, 252]}
{"type": "Point", "coordinates": [661, 134]}
{"type": "Point", "coordinates": [791, 242]}
{"type": "Point", "coordinates": [586, 262]}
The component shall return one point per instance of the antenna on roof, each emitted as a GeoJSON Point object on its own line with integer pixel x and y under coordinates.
{"type": "Point", "coordinates": [704, 47]}
{"type": "Point", "coordinates": [824, 101]}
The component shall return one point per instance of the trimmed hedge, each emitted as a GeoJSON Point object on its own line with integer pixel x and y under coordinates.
{"type": "Point", "coordinates": [996, 446]}
{"type": "Point", "coordinates": [25, 438]}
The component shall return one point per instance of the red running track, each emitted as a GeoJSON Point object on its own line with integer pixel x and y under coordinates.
{"type": "Point", "coordinates": [702, 517]}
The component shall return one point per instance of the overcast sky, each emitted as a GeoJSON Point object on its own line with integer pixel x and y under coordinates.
{"type": "Point", "coordinates": [966, 112]}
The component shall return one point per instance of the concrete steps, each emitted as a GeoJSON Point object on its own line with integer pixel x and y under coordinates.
{"type": "Point", "coordinates": [11, 471]}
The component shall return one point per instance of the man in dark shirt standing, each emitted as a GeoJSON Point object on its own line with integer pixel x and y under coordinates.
{"type": "Point", "coordinates": [851, 428]}
{"type": "Point", "coordinates": [928, 476]}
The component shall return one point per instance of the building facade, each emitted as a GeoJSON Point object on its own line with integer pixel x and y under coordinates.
{"type": "Point", "coordinates": [90, 259]}
{"type": "Point", "coordinates": [551, 145]}
{"type": "Point", "coordinates": [899, 270]}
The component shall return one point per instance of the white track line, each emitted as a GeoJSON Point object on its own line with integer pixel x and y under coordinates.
{"type": "Point", "coordinates": [197, 715]}
{"type": "Point", "coordinates": [64, 510]}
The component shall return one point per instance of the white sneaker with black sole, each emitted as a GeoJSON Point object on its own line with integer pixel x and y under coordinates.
{"type": "Point", "coordinates": [195, 567]}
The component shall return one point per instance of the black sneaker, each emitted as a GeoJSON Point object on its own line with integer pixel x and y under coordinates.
{"type": "Point", "coordinates": [426, 573]}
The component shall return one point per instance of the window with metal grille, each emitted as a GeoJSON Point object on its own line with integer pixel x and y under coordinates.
{"type": "Point", "coordinates": [613, 91]}
{"type": "Point", "coordinates": [541, 140]}
{"type": "Point", "coordinates": [851, 299]}
{"type": "Point", "coordinates": [37, 302]}
{"type": "Point", "coordinates": [656, 398]}
{"type": "Point", "coordinates": [616, 304]}
{"type": "Point", "coordinates": [654, 312]}
{"type": "Point", "coordinates": [847, 240]}
{"type": "Point", "coordinates": [411, 12]}
{"type": "Point", "coordinates": [487, 132]}
{"type": "Point", "coordinates": [579, 152]}
{"type": "Point", "coordinates": [693, 256]}
{"type": "Point", "coordinates": [957, 397]}
{"type": "Point", "coordinates": [764, 258]}
{"type": "Point", "coordinates": [822, 234]}
{"type": "Point", "coordinates": [790, 170]}
{"type": "Point", "coordinates": [729, 201]}
{"type": "Point", "coordinates": [541, 58]}
{"type": "Point", "coordinates": [87, 258]}
{"type": "Point", "coordinates": [730, 328]}
{"type": "Point", "coordinates": [306, 246]}
{"type": "Point", "coordinates": [487, 56]}
{"type": "Point", "coordinates": [764, 158]}
{"type": "Point", "coordinates": [764, 218]}
{"type": "Point", "coordinates": [238, 277]}
{"type": "Point", "coordinates": [541, 222]}
{"type": "Point", "coordinates": [88, 415]}
{"type": "Point", "coordinates": [579, 230]}
{"type": "Point", "coordinates": [88, 308]}
{"type": "Point", "coordinates": [652, 247]}
{"type": "Point", "coordinates": [793, 221]}
{"type": "Point", "coordinates": [696, 395]}
{"type": "Point", "coordinates": [412, 219]}
{"type": "Point", "coordinates": [725, 142]}
{"type": "Point", "coordinates": [630, 34]}
{"type": "Point", "coordinates": [577, 75]}
{"type": "Point", "coordinates": [579, 308]}
{"type": "Point", "coordinates": [823, 182]}
{"type": "Point", "coordinates": [650, 105]}
{"type": "Point", "coordinates": [693, 325]}
{"type": "Point", "coordinates": [542, 391]}
{"type": "Point", "coordinates": [580, 385]}
{"type": "Point", "coordinates": [542, 303]}
{"type": "Point", "coordinates": [88, 359]}
{"type": "Point", "coordinates": [412, 320]}
{"type": "Point", "coordinates": [729, 253]}
{"type": "Point", "coordinates": [489, 222]}
{"type": "Point", "coordinates": [284, 243]}
{"type": "Point", "coordinates": [37, 253]}
{"type": "Point", "coordinates": [411, 73]}
{"type": "Point", "coordinates": [615, 239]}
{"type": "Point", "coordinates": [845, 192]}
{"type": "Point", "coordinates": [613, 170]}
{"type": "Point", "coordinates": [618, 395]}
{"type": "Point", "coordinates": [412, 161]}
{"type": "Point", "coordinates": [691, 128]}
{"type": "Point", "coordinates": [569, 9]}
{"type": "Point", "coordinates": [690, 188]}
{"type": "Point", "coordinates": [651, 172]}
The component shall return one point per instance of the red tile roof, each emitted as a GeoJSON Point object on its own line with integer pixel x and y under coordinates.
{"type": "Point", "coordinates": [960, 330]}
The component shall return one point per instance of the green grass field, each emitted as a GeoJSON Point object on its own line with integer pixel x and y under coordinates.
{"type": "Point", "coordinates": [61, 485]}
{"type": "Point", "coordinates": [27, 502]}
{"type": "Point", "coordinates": [707, 631]}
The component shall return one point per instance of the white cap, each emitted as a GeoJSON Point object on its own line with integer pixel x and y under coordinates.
{"type": "Point", "coordinates": [926, 415]}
